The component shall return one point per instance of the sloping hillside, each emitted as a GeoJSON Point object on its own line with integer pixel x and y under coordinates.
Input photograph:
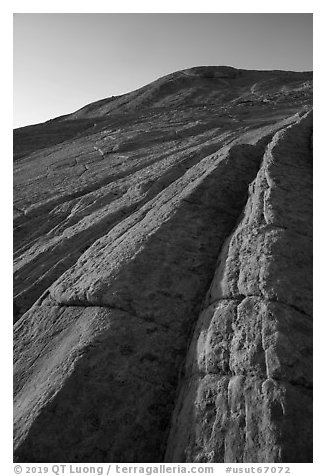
{"type": "Point", "coordinates": [162, 274]}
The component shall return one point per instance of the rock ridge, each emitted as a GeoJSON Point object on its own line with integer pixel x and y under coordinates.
{"type": "Point", "coordinates": [243, 342]}
{"type": "Point", "coordinates": [163, 253]}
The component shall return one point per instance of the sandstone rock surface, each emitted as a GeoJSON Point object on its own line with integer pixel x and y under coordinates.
{"type": "Point", "coordinates": [163, 301]}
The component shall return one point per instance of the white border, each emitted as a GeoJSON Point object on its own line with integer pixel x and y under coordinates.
{"type": "Point", "coordinates": [67, 6]}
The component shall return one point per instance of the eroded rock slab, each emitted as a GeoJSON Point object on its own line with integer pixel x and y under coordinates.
{"type": "Point", "coordinates": [140, 214]}
{"type": "Point", "coordinates": [246, 394]}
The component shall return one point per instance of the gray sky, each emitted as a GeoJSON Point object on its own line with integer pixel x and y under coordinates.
{"type": "Point", "coordinates": [64, 61]}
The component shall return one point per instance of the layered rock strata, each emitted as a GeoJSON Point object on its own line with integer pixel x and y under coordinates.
{"type": "Point", "coordinates": [163, 282]}
{"type": "Point", "coordinates": [247, 391]}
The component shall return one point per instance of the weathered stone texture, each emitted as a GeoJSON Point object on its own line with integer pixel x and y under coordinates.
{"type": "Point", "coordinates": [163, 275]}
{"type": "Point", "coordinates": [246, 395]}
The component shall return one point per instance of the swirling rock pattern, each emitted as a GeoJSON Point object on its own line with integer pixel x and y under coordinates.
{"type": "Point", "coordinates": [162, 286]}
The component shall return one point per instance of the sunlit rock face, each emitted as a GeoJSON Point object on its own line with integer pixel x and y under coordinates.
{"type": "Point", "coordinates": [162, 274]}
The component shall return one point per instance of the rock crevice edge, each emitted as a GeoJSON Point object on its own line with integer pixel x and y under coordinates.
{"type": "Point", "coordinates": [247, 392]}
